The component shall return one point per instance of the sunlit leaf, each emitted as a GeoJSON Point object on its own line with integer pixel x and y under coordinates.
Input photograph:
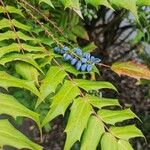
{"type": "Point", "coordinates": [92, 134]}
{"type": "Point", "coordinates": [11, 136]}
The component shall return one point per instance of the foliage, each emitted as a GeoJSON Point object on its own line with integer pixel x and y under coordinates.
{"type": "Point", "coordinates": [29, 65]}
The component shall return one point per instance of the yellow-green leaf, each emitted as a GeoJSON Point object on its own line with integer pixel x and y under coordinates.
{"type": "Point", "coordinates": [10, 106]}
{"type": "Point", "coordinates": [114, 116]}
{"type": "Point", "coordinates": [100, 102]}
{"type": "Point", "coordinates": [61, 101]}
{"type": "Point", "coordinates": [124, 145]}
{"type": "Point", "coordinates": [108, 142]}
{"type": "Point", "coordinates": [12, 137]}
{"type": "Point", "coordinates": [27, 71]}
{"type": "Point", "coordinates": [78, 119]}
{"type": "Point", "coordinates": [93, 85]}
{"type": "Point", "coordinates": [53, 78]}
{"type": "Point", "coordinates": [47, 2]}
{"type": "Point", "coordinates": [7, 80]}
{"type": "Point", "coordinates": [126, 132]}
{"type": "Point", "coordinates": [92, 134]}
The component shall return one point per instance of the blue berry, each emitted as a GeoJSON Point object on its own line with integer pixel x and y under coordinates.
{"type": "Point", "coordinates": [78, 51]}
{"type": "Point", "coordinates": [73, 61]}
{"type": "Point", "coordinates": [84, 67]}
{"type": "Point", "coordinates": [97, 60]}
{"type": "Point", "coordinates": [87, 55]}
{"type": "Point", "coordinates": [56, 49]}
{"type": "Point", "coordinates": [78, 65]}
{"type": "Point", "coordinates": [64, 49]}
{"type": "Point", "coordinates": [92, 58]}
{"type": "Point", "coordinates": [89, 68]}
{"type": "Point", "coordinates": [67, 56]}
{"type": "Point", "coordinates": [84, 60]}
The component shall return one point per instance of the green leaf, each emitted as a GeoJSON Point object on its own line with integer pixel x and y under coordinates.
{"type": "Point", "coordinates": [127, 4]}
{"type": "Point", "coordinates": [11, 9]}
{"type": "Point", "coordinates": [6, 23]}
{"type": "Point", "coordinates": [90, 47]}
{"type": "Point", "coordinates": [96, 3]}
{"type": "Point", "coordinates": [9, 105]}
{"type": "Point", "coordinates": [143, 2]}
{"type": "Point", "coordinates": [108, 142]}
{"type": "Point", "coordinates": [27, 71]}
{"type": "Point", "coordinates": [15, 47]}
{"type": "Point", "coordinates": [54, 77]}
{"type": "Point", "coordinates": [74, 4]}
{"type": "Point", "coordinates": [10, 136]}
{"type": "Point", "coordinates": [131, 69]}
{"type": "Point", "coordinates": [88, 85]}
{"type": "Point", "coordinates": [6, 80]}
{"type": "Point", "coordinates": [61, 101]}
{"type": "Point", "coordinates": [80, 31]}
{"type": "Point", "coordinates": [92, 134]}
{"type": "Point", "coordinates": [126, 132]}
{"type": "Point", "coordinates": [29, 58]}
{"type": "Point", "coordinates": [78, 119]}
{"type": "Point", "coordinates": [124, 145]}
{"type": "Point", "coordinates": [114, 116]}
{"type": "Point", "coordinates": [47, 2]}
{"type": "Point", "coordinates": [12, 35]}
{"type": "Point", "coordinates": [100, 102]}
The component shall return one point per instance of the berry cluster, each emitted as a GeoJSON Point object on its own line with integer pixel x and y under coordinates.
{"type": "Point", "coordinates": [82, 61]}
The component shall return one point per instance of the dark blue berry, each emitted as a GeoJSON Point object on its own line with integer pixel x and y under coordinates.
{"type": "Point", "coordinates": [92, 58]}
{"type": "Point", "coordinates": [73, 61]}
{"type": "Point", "coordinates": [64, 49]}
{"type": "Point", "coordinates": [78, 65]}
{"type": "Point", "coordinates": [78, 51]}
{"type": "Point", "coordinates": [67, 56]}
{"type": "Point", "coordinates": [56, 49]}
{"type": "Point", "coordinates": [84, 60]}
{"type": "Point", "coordinates": [89, 68]}
{"type": "Point", "coordinates": [97, 60]}
{"type": "Point", "coordinates": [87, 55]}
{"type": "Point", "coordinates": [84, 67]}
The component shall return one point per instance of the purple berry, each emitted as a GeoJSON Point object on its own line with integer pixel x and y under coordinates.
{"type": "Point", "coordinates": [89, 68]}
{"type": "Point", "coordinates": [73, 61]}
{"type": "Point", "coordinates": [84, 67]}
{"type": "Point", "coordinates": [78, 65]}
{"type": "Point", "coordinates": [84, 60]}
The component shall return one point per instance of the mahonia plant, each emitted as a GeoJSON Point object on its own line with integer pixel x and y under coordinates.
{"type": "Point", "coordinates": [33, 74]}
